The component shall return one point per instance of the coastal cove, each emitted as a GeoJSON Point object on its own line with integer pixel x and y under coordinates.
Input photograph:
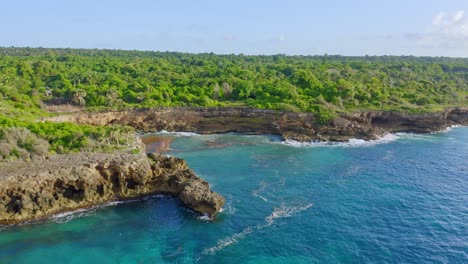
{"type": "Point", "coordinates": [400, 199]}
{"type": "Point", "coordinates": [64, 183]}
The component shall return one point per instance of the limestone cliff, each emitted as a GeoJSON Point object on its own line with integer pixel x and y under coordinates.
{"type": "Point", "coordinates": [298, 126]}
{"type": "Point", "coordinates": [37, 189]}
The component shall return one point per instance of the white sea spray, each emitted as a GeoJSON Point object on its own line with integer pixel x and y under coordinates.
{"type": "Point", "coordinates": [174, 133]}
{"type": "Point", "coordinates": [283, 211]}
{"type": "Point", "coordinates": [353, 142]}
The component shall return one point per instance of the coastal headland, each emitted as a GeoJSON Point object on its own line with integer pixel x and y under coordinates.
{"type": "Point", "coordinates": [34, 190]}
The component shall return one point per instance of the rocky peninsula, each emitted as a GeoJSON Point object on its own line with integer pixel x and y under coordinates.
{"type": "Point", "coordinates": [34, 190]}
{"type": "Point", "coordinates": [365, 125]}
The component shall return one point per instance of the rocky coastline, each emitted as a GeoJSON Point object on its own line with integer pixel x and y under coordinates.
{"type": "Point", "coordinates": [35, 190]}
{"type": "Point", "coordinates": [367, 125]}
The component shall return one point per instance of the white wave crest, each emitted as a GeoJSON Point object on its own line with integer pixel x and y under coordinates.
{"type": "Point", "coordinates": [183, 134]}
{"type": "Point", "coordinates": [228, 208]}
{"type": "Point", "coordinates": [261, 197]}
{"type": "Point", "coordinates": [450, 128]}
{"type": "Point", "coordinates": [205, 217]}
{"type": "Point", "coordinates": [354, 142]}
{"type": "Point", "coordinates": [280, 212]}
{"type": "Point", "coordinates": [70, 215]}
{"type": "Point", "coordinates": [229, 241]}
{"type": "Point", "coordinates": [414, 136]}
{"type": "Point", "coordinates": [285, 211]}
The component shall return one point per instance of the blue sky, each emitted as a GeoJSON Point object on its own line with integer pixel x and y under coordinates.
{"type": "Point", "coordinates": [358, 27]}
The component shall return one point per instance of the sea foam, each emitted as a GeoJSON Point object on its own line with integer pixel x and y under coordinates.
{"type": "Point", "coordinates": [282, 211]}
{"type": "Point", "coordinates": [448, 129]}
{"type": "Point", "coordinates": [285, 211]}
{"type": "Point", "coordinates": [205, 217]}
{"type": "Point", "coordinates": [174, 133]}
{"type": "Point", "coordinates": [228, 208]}
{"type": "Point", "coordinates": [70, 215]}
{"type": "Point", "coordinates": [353, 142]}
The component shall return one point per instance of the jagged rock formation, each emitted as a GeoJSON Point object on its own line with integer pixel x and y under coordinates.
{"type": "Point", "coordinates": [298, 126]}
{"type": "Point", "coordinates": [37, 189]}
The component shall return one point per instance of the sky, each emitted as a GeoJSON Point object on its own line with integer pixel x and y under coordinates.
{"type": "Point", "coordinates": [294, 27]}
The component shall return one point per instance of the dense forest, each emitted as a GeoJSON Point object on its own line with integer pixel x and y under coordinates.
{"type": "Point", "coordinates": [324, 85]}
{"type": "Point", "coordinates": [114, 78]}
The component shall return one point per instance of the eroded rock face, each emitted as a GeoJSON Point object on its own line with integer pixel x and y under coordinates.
{"type": "Point", "coordinates": [37, 189]}
{"type": "Point", "coordinates": [297, 126]}
{"type": "Point", "coordinates": [172, 175]}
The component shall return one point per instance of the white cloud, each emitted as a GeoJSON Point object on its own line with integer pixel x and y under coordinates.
{"type": "Point", "coordinates": [438, 18]}
{"type": "Point", "coordinates": [446, 31]}
{"type": "Point", "coordinates": [455, 26]}
{"type": "Point", "coordinates": [459, 16]}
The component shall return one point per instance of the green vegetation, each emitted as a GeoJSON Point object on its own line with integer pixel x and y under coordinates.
{"type": "Point", "coordinates": [111, 78]}
{"type": "Point", "coordinates": [29, 139]}
{"type": "Point", "coordinates": [324, 85]}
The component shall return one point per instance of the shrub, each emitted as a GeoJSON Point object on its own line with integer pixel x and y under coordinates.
{"type": "Point", "coordinates": [19, 142]}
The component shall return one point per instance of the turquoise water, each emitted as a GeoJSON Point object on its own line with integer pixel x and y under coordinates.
{"type": "Point", "coordinates": [401, 201]}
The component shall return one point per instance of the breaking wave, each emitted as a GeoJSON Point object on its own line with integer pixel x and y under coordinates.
{"type": "Point", "coordinates": [228, 208]}
{"type": "Point", "coordinates": [350, 143]}
{"type": "Point", "coordinates": [450, 128]}
{"type": "Point", "coordinates": [70, 215]}
{"type": "Point", "coordinates": [205, 217]}
{"type": "Point", "coordinates": [354, 142]}
{"type": "Point", "coordinates": [182, 134]}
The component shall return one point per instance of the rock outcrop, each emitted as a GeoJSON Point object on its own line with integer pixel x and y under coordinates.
{"type": "Point", "coordinates": [298, 126]}
{"type": "Point", "coordinates": [37, 189]}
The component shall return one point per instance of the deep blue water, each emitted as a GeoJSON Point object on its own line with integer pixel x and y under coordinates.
{"type": "Point", "coordinates": [403, 201]}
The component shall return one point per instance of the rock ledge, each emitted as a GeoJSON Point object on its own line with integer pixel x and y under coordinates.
{"type": "Point", "coordinates": [38, 189]}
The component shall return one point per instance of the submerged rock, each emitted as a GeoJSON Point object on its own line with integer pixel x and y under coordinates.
{"type": "Point", "coordinates": [37, 189]}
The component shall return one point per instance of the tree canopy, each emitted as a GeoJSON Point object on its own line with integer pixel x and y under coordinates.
{"type": "Point", "coordinates": [101, 79]}
{"type": "Point", "coordinates": [116, 78]}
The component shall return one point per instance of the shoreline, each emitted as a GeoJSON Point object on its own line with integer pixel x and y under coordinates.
{"type": "Point", "coordinates": [303, 127]}
{"type": "Point", "coordinates": [31, 191]}
{"type": "Point", "coordinates": [161, 136]}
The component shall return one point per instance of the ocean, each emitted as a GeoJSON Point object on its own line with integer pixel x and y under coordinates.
{"type": "Point", "coordinates": [400, 199]}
